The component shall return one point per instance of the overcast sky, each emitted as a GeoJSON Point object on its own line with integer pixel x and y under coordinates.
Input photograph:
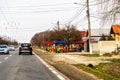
{"type": "Point", "coordinates": [21, 19]}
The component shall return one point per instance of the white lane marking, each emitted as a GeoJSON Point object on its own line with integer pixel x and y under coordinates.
{"type": "Point", "coordinates": [59, 76]}
{"type": "Point", "coordinates": [54, 72]}
{"type": "Point", "coordinates": [47, 66]}
{"type": "Point", "coordinates": [6, 58]}
{"type": "Point", "coordinates": [11, 55]}
{"type": "Point", "coordinates": [50, 68]}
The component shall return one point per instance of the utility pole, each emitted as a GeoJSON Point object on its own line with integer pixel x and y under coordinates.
{"type": "Point", "coordinates": [89, 25]}
{"type": "Point", "coordinates": [58, 25]}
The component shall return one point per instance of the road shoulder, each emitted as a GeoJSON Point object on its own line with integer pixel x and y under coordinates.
{"type": "Point", "coordinates": [62, 65]}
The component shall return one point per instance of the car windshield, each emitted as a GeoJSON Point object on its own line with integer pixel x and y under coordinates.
{"type": "Point", "coordinates": [10, 46]}
{"type": "Point", "coordinates": [25, 44]}
{"type": "Point", "coordinates": [3, 46]}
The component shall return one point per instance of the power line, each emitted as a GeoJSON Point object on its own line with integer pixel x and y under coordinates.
{"type": "Point", "coordinates": [92, 4]}
{"type": "Point", "coordinates": [39, 11]}
{"type": "Point", "coordinates": [44, 5]}
{"type": "Point", "coordinates": [43, 8]}
{"type": "Point", "coordinates": [11, 16]}
{"type": "Point", "coordinates": [81, 20]}
{"type": "Point", "coordinates": [32, 28]}
{"type": "Point", "coordinates": [78, 13]}
{"type": "Point", "coordinates": [4, 16]}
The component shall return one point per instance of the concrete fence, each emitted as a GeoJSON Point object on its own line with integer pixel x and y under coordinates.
{"type": "Point", "coordinates": [105, 46]}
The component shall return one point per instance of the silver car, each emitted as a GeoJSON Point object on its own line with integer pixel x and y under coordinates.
{"type": "Point", "coordinates": [4, 49]}
{"type": "Point", "coordinates": [11, 47]}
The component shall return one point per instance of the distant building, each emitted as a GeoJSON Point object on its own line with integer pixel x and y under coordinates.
{"type": "Point", "coordinates": [84, 38]}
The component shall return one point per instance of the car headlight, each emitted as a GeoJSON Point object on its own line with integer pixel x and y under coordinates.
{"type": "Point", "coordinates": [6, 50]}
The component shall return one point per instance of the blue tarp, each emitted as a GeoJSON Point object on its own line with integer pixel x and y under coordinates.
{"type": "Point", "coordinates": [60, 42]}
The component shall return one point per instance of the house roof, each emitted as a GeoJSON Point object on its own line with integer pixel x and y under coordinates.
{"type": "Point", "coordinates": [115, 29]}
{"type": "Point", "coordinates": [83, 33]}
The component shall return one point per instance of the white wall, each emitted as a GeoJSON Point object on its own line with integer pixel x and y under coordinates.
{"type": "Point", "coordinates": [105, 46]}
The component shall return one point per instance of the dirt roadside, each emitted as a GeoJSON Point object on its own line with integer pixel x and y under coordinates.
{"type": "Point", "coordinates": [64, 65]}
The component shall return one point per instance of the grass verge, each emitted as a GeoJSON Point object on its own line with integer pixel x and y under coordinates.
{"type": "Point", "coordinates": [105, 71]}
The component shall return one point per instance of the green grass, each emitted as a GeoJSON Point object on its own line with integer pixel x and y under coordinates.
{"type": "Point", "coordinates": [102, 71]}
{"type": "Point", "coordinates": [107, 54]}
{"type": "Point", "coordinates": [97, 55]}
{"type": "Point", "coordinates": [91, 55]}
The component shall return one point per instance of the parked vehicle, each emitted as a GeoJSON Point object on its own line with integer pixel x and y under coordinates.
{"type": "Point", "coordinates": [25, 48]}
{"type": "Point", "coordinates": [11, 47]}
{"type": "Point", "coordinates": [4, 49]}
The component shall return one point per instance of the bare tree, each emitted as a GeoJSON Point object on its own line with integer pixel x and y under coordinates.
{"type": "Point", "coordinates": [110, 11]}
{"type": "Point", "coordinates": [69, 33]}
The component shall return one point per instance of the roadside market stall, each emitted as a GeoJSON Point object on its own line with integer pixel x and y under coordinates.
{"type": "Point", "coordinates": [48, 45]}
{"type": "Point", "coordinates": [60, 46]}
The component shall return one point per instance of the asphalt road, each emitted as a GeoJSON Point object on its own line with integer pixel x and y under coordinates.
{"type": "Point", "coordinates": [24, 67]}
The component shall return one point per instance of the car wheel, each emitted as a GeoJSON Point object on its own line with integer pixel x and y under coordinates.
{"type": "Point", "coordinates": [30, 53]}
{"type": "Point", "coordinates": [19, 53]}
{"type": "Point", "coordinates": [8, 53]}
